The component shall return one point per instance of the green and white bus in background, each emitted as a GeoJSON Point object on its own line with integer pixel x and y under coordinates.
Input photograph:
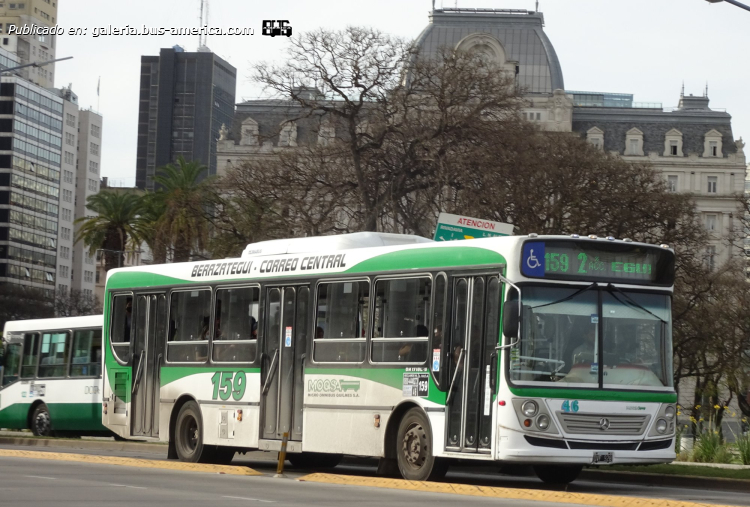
{"type": "Point", "coordinates": [551, 351]}
{"type": "Point", "coordinates": [52, 375]}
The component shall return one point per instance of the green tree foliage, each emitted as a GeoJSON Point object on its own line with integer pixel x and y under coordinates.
{"type": "Point", "coordinates": [116, 227]}
{"type": "Point", "coordinates": [177, 210]}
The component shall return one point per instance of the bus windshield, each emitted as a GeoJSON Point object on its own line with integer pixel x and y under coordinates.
{"type": "Point", "coordinates": [561, 340]}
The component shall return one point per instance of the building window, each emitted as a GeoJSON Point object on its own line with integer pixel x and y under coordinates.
{"type": "Point", "coordinates": [93, 184]}
{"type": "Point", "coordinates": [67, 215]}
{"type": "Point", "coordinates": [94, 149]}
{"type": "Point", "coordinates": [633, 146]}
{"type": "Point", "coordinates": [67, 195]}
{"type": "Point", "coordinates": [710, 260]}
{"type": "Point", "coordinates": [88, 276]}
{"type": "Point", "coordinates": [711, 222]}
{"type": "Point", "coordinates": [712, 184]}
{"type": "Point", "coordinates": [712, 144]}
{"type": "Point", "coordinates": [69, 158]}
{"type": "Point", "coordinates": [672, 183]}
{"type": "Point", "coordinates": [70, 139]}
{"type": "Point", "coordinates": [93, 167]}
{"type": "Point", "coordinates": [63, 289]}
{"type": "Point", "coordinates": [673, 148]}
{"type": "Point", "coordinates": [95, 131]}
{"type": "Point", "coordinates": [70, 120]}
{"type": "Point", "coordinates": [65, 233]}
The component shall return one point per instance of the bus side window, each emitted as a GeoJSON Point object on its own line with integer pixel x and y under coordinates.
{"type": "Point", "coordinates": [86, 353]}
{"type": "Point", "coordinates": [122, 326]}
{"type": "Point", "coordinates": [54, 355]}
{"type": "Point", "coordinates": [440, 301]}
{"type": "Point", "coordinates": [30, 355]}
{"type": "Point", "coordinates": [12, 363]}
{"type": "Point", "coordinates": [342, 314]}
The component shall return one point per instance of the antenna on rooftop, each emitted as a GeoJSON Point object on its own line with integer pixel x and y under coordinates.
{"type": "Point", "coordinates": [537, 5]}
{"type": "Point", "coordinates": [682, 93]}
{"type": "Point", "coordinates": [203, 21]}
{"type": "Point", "coordinates": [706, 93]}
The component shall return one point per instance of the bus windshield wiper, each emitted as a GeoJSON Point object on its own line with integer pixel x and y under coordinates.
{"type": "Point", "coordinates": [567, 298]}
{"type": "Point", "coordinates": [631, 302]}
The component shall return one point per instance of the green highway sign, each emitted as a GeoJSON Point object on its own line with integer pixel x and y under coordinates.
{"type": "Point", "coordinates": [454, 227]}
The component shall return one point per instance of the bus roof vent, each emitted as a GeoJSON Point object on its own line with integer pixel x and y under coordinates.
{"type": "Point", "coordinates": [330, 243]}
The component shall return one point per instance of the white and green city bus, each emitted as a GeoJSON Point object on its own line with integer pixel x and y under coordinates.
{"type": "Point", "coordinates": [51, 376]}
{"type": "Point", "coordinates": [549, 351]}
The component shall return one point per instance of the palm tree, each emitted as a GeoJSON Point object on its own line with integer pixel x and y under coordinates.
{"type": "Point", "coordinates": [116, 226]}
{"type": "Point", "coordinates": [180, 203]}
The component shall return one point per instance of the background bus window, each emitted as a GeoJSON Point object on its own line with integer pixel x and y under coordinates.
{"type": "Point", "coordinates": [54, 355]}
{"type": "Point", "coordinates": [342, 316]}
{"type": "Point", "coordinates": [438, 328]}
{"type": "Point", "coordinates": [122, 326]}
{"type": "Point", "coordinates": [87, 354]}
{"type": "Point", "coordinates": [189, 326]}
{"type": "Point", "coordinates": [236, 325]}
{"type": "Point", "coordinates": [401, 313]}
{"type": "Point", "coordinates": [30, 355]}
{"type": "Point", "coordinates": [12, 363]}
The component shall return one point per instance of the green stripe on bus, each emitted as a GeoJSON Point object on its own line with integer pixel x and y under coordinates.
{"type": "Point", "coordinates": [426, 258]}
{"type": "Point", "coordinates": [593, 394]}
{"type": "Point", "coordinates": [64, 416]}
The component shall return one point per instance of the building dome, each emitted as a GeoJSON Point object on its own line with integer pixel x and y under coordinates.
{"type": "Point", "coordinates": [510, 36]}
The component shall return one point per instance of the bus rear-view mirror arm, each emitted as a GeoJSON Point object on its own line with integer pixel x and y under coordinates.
{"type": "Point", "coordinates": [511, 317]}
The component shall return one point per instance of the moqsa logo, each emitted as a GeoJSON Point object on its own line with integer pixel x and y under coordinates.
{"type": "Point", "coordinates": [332, 386]}
{"type": "Point", "coordinates": [274, 27]}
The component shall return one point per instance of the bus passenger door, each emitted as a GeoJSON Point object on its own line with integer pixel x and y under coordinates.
{"type": "Point", "coordinates": [473, 360]}
{"type": "Point", "coordinates": [284, 348]}
{"type": "Point", "coordinates": [148, 355]}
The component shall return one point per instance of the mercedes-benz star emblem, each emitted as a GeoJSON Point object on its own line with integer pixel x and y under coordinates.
{"type": "Point", "coordinates": [604, 424]}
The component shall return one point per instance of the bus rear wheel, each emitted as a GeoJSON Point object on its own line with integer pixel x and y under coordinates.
{"type": "Point", "coordinates": [41, 424]}
{"type": "Point", "coordinates": [188, 434]}
{"type": "Point", "coordinates": [414, 455]}
{"type": "Point", "coordinates": [558, 474]}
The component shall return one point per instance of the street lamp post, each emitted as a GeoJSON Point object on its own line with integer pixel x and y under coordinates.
{"type": "Point", "coordinates": [733, 2]}
{"type": "Point", "coordinates": [35, 64]}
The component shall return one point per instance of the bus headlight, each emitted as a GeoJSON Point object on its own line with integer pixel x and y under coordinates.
{"type": "Point", "coordinates": [542, 422]}
{"type": "Point", "coordinates": [669, 413]}
{"type": "Point", "coordinates": [529, 408]}
{"type": "Point", "coordinates": [661, 426]}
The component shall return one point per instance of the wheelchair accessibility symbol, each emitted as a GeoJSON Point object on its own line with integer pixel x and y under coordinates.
{"type": "Point", "coordinates": [532, 263]}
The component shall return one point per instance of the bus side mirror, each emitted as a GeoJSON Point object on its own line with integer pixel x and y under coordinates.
{"type": "Point", "coordinates": [510, 319]}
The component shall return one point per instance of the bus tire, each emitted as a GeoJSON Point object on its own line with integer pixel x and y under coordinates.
{"type": "Point", "coordinates": [188, 435]}
{"type": "Point", "coordinates": [41, 424]}
{"type": "Point", "coordinates": [416, 461]}
{"type": "Point", "coordinates": [314, 460]}
{"type": "Point", "coordinates": [557, 474]}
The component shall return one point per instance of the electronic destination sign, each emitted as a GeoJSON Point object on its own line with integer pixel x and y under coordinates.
{"type": "Point", "coordinates": [598, 261]}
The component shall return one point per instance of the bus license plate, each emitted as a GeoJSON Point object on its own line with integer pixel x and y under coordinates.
{"type": "Point", "coordinates": [603, 458]}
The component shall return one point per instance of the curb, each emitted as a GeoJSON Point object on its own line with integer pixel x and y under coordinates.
{"type": "Point", "coordinates": [85, 444]}
{"type": "Point", "coordinates": [681, 481]}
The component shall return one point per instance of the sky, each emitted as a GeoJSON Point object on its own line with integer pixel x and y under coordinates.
{"type": "Point", "coordinates": [644, 47]}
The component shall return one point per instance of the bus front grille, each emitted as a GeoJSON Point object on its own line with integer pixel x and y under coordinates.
{"type": "Point", "coordinates": [603, 424]}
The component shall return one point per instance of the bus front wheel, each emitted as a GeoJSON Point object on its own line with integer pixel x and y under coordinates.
{"type": "Point", "coordinates": [558, 474]}
{"type": "Point", "coordinates": [188, 434]}
{"type": "Point", "coordinates": [41, 424]}
{"type": "Point", "coordinates": [414, 451]}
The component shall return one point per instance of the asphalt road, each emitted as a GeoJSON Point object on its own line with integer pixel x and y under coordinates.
{"type": "Point", "coordinates": [30, 482]}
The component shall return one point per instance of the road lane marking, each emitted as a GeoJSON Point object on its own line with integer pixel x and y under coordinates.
{"type": "Point", "coordinates": [130, 462]}
{"type": "Point", "coordinates": [251, 499]}
{"type": "Point", "coordinates": [40, 477]}
{"type": "Point", "coordinates": [498, 492]}
{"type": "Point", "coordinates": [126, 486]}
